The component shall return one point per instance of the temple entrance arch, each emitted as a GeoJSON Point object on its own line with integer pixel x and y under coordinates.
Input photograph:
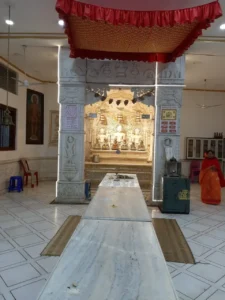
{"type": "Point", "coordinates": [78, 79]}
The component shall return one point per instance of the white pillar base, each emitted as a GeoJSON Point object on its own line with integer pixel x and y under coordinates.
{"type": "Point", "coordinates": [70, 192]}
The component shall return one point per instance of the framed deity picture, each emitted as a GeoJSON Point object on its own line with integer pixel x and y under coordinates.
{"type": "Point", "coordinates": [35, 118]}
{"type": "Point", "coordinates": [168, 120]}
{"type": "Point", "coordinates": [53, 128]}
{"type": "Point", "coordinates": [168, 114]}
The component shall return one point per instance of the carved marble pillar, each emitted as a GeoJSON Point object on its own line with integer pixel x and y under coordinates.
{"type": "Point", "coordinates": [72, 93]}
{"type": "Point", "coordinates": [167, 98]}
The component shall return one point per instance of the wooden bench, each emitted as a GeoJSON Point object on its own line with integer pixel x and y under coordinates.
{"type": "Point", "coordinates": [112, 254]}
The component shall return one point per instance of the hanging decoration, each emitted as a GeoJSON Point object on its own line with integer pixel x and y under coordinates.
{"type": "Point", "coordinates": [135, 30]}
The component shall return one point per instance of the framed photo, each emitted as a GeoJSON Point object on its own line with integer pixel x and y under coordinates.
{"type": "Point", "coordinates": [169, 114]}
{"type": "Point", "coordinates": [53, 128]}
{"type": "Point", "coordinates": [35, 118]}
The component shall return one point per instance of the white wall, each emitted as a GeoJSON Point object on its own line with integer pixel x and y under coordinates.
{"type": "Point", "coordinates": [19, 102]}
{"type": "Point", "coordinates": [196, 122]}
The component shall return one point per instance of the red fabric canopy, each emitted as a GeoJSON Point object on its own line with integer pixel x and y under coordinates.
{"type": "Point", "coordinates": [149, 5]}
{"type": "Point", "coordinates": [134, 35]}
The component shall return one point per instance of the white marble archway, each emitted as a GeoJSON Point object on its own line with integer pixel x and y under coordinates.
{"type": "Point", "coordinates": [76, 78]}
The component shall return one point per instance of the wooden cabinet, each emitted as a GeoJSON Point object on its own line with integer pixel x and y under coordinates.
{"type": "Point", "coordinates": [196, 147]}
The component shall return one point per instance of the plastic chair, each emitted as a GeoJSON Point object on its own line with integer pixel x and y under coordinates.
{"type": "Point", "coordinates": [195, 168]}
{"type": "Point", "coordinates": [15, 184]}
{"type": "Point", "coordinates": [28, 172]}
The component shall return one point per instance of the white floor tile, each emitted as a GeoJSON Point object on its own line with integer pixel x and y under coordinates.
{"type": "Point", "coordinates": [10, 224]}
{"type": "Point", "coordinates": [11, 258]}
{"type": "Point", "coordinates": [197, 227]}
{"type": "Point", "coordinates": [45, 210]}
{"type": "Point", "coordinates": [49, 233]}
{"type": "Point", "coordinates": [16, 210]}
{"type": "Point", "coordinates": [48, 263]}
{"type": "Point", "coordinates": [5, 245]}
{"type": "Point", "coordinates": [222, 248]}
{"type": "Point", "coordinates": [209, 222]}
{"type": "Point", "coordinates": [28, 240]}
{"type": "Point", "coordinates": [189, 218]}
{"type": "Point", "coordinates": [25, 214]}
{"type": "Point", "coordinates": [188, 233]}
{"type": "Point", "coordinates": [222, 227]}
{"type": "Point", "coordinates": [197, 249]}
{"type": "Point", "coordinates": [5, 218]}
{"type": "Point", "coordinates": [217, 258]}
{"type": "Point", "coordinates": [208, 240]}
{"type": "Point", "coordinates": [2, 298]}
{"type": "Point", "coordinates": [189, 286]}
{"type": "Point", "coordinates": [39, 226]}
{"type": "Point", "coordinates": [181, 222]}
{"type": "Point", "coordinates": [34, 219]}
{"type": "Point", "coordinates": [217, 217]}
{"type": "Point", "coordinates": [207, 271]}
{"type": "Point", "coordinates": [29, 291]}
{"type": "Point", "coordinates": [218, 233]}
{"type": "Point", "coordinates": [18, 231]}
{"type": "Point", "coordinates": [171, 269]}
{"type": "Point", "coordinates": [1, 236]}
{"type": "Point", "coordinates": [218, 295]}
{"type": "Point", "coordinates": [36, 250]}
{"type": "Point", "coordinates": [19, 274]}
{"type": "Point", "coordinates": [2, 212]}
{"type": "Point", "coordinates": [199, 213]}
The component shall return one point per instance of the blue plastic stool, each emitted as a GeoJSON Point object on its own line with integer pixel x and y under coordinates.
{"type": "Point", "coordinates": [15, 184]}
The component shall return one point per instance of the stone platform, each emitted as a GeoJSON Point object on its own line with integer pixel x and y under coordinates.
{"type": "Point", "coordinates": [125, 155]}
{"type": "Point", "coordinates": [97, 171]}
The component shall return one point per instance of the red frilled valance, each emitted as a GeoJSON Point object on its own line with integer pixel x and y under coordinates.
{"type": "Point", "coordinates": [154, 35]}
{"type": "Point", "coordinates": [208, 12]}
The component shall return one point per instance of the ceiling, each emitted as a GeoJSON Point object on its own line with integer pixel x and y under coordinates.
{"type": "Point", "coordinates": [36, 26]}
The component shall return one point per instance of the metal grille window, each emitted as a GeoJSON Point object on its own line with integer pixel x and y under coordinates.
{"type": "Point", "coordinates": [7, 133]}
{"type": "Point", "coordinates": [3, 79]}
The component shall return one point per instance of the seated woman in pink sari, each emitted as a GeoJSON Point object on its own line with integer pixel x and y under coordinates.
{"type": "Point", "coordinates": [211, 179]}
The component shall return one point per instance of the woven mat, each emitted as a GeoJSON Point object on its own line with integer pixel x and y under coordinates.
{"type": "Point", "coordinates": [172, 241]}
{"type": "Point", "coordinates": [57, 244]}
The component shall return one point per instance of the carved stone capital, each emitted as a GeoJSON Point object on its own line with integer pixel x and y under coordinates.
{"type": "Point", "coordinates": [72, 94]}
{"type": "Point", "coordinates": [71, 70]}
{"type": "Point", "coordinates": [120, 72]}
{"type": "Point", "coordinates": [169, 96]}
{"type": "Point", "coordinates": [172, 73]}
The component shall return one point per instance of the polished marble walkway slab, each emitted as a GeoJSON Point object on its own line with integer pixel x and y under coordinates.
{"type": "Point", "coordinates": [118, 203]}
{"type": "Point", "coordinates": [113, 260]}
{"type": "Point", "coordinates": [110, 181]}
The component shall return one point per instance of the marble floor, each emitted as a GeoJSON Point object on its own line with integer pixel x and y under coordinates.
{"type": "Point", "coordinates": [28, 222]}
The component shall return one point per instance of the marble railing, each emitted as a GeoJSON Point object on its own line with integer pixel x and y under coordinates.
{"type": "Point", "coordinates": [46, 167]}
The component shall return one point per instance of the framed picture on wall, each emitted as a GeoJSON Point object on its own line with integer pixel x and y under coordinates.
{"type": "Point", "coordinates": [53, 127]}
{"type": "Point", "coordinates": [169, 114]}
{"type": "Point", "coordinates": [168, 120]}
{"type": "Point", "coordinates": [35, 118]}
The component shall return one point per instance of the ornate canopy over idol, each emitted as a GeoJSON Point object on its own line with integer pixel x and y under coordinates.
{"type": "Point", "coordinates": [137, 30]}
